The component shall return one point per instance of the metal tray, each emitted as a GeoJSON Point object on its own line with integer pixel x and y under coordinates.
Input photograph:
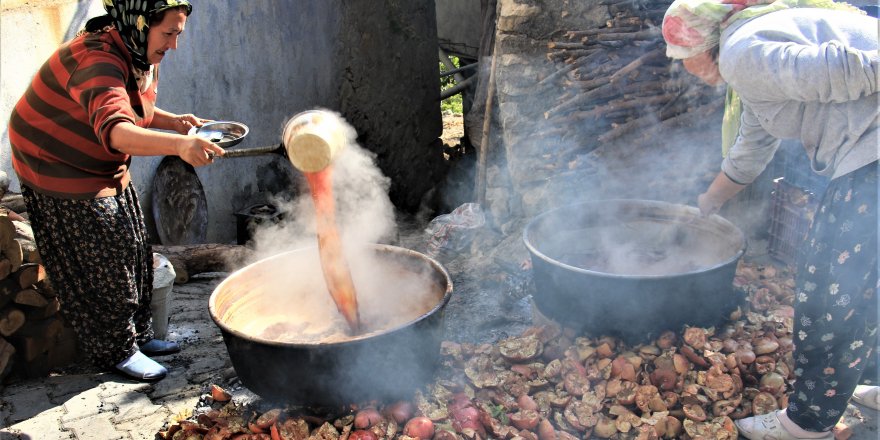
{"type": "Point", "coordinates": [223, 133]}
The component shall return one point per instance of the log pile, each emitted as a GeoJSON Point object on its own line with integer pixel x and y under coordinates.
{"type": "Point", "coordinates": [616, 80]}
{"type": "Point", "coordinates": [34, 338]}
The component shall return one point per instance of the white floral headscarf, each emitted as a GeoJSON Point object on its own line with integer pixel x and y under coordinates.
{"type": "Point", "coordinates": [691, 27]}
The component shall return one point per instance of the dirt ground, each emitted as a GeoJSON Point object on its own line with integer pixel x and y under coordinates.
{"type": "Point", "coordinates": [453, 129]}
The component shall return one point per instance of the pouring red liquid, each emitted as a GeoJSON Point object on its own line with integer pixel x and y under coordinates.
{"type": "Point", "coordinates": [312, 139]}
{"type": "Point", "coordinates": [333, 263]}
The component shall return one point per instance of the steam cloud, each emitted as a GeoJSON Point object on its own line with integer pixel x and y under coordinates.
{"type": "Point", "coordinates": [364, 212]}
{"type": "Point", "coordinates": [294, 303]}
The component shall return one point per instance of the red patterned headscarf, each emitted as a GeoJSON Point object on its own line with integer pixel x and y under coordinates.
{"type": "Point", "coordinates": [691, 27]}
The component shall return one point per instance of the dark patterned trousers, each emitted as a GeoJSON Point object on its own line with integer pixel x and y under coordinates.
{"type": "Point", "coordinates": [100, 263]}
{"type": "Point", "coordinates": [835, 319]}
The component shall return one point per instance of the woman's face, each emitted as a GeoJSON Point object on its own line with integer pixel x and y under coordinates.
{"type": "Point", "coordinates": [163, 36]}
{"type": "Point", "coordinates": [705, 67]}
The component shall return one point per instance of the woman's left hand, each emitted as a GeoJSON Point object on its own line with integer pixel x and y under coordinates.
{"type": "Point", "coordinates": [184, 123]}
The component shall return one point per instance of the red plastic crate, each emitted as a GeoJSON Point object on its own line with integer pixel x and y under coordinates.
{"type": "Point", "coordinates": [792, 212]}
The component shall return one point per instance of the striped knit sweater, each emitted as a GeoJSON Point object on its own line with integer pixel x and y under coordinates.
{"type": "Point", "coordinates": [60, 128]}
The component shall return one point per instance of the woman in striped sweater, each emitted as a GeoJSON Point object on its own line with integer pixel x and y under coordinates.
{"type": "Point", "coordinates": [88, 110]}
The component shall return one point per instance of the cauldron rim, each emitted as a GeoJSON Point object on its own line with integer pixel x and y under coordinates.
{"type": "Point", "coordinates": [212, 306]}
{"type": "Point", "coordinates": [692, 211]}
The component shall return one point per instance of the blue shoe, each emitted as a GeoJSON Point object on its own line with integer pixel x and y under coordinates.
{"type": "Point", "coordinates": [139, 367]}
{"type": "Point", "coordinates": [158, 347]}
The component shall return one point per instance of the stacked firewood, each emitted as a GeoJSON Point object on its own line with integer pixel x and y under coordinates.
{"type": "Point", "coordinates": [616, 80]}
{"type": "Point", "coordinates": [33, 337]}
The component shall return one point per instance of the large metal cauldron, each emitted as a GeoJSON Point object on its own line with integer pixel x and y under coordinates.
{"type": "Point", "coordinates": [633, 268]}
{"type": "Point", "coordinates": [287, 342]}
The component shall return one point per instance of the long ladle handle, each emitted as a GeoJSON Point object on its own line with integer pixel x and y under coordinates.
{"type": "Point", "coordinates": [276, 149]}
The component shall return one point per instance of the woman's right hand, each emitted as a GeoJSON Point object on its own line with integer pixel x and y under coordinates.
{"type": "Point", "coordinates": [719, 192]}
{"type": "Point", "coordinates": [708, 204]}
{"type": "Point", "coordinates": [198, 151]}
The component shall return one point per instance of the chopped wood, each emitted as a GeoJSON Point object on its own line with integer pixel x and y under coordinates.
{"type": "Point", "coordinates": [11, 320]}
{"type": "Point", "coordinates": [8, 288]}
{"type": "Point", "coordinates": [5, 268]}
{"type": "Point", "coordinates": [602, 90]}
{"type": "Point", "coordinates": [590, 84]}
{"type": "Point", "coordinates": [17, 241]}
{"type": "Point", "coordinates": [636, 63]}
{"type": "Point", "coordinates": [646, 34]}
{"type": "Point", "coordinates": [64, 351]}
{"type": "Point", "coordinates": [30, 347]}
{"type": "Point", "coordinates": [606, 30]}
{"type": "Point", "coordinates": [50, 309]}
{"type": "Point", "coordinates": [555, 75]}
{"type": "Point", "coordinates": [7, 228]}
{"type": "Point", "coordinates": [23, 230]}
{"type": "Point", "coordinates": [45, 287]}
{"type": "Point", "coordinates": [30, 274]}
{"type": "Point", "coordinates": [698, 114]}
{"type": "Point", "coordinates": [581, 62]}
{"type": "Point", "coordinates": [565, 45]}
{"type": "Point", "coordinates": [624, 22]}
{"type": "Point", "coordinates": [574, 55]}
{"type": "Point", "coordinates": [30, 297]}
{"type": "Point", "coordinates": [7, 350]}
{"type": "Point", "coordinates": [36, 337]}
{"type": "Point", "coordinates": [25, 237]}
{"type": "Point", "coordinates": [615, 105]}
{"type": "Point", "coordinates": [667, 118]}
{"type": "Point", "coordinates": [14, 202]}
{"type": "Point", "coordinates": [11, 249]}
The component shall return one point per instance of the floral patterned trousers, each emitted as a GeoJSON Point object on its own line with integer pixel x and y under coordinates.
{"type": "Point", "coordinates": [835, 320]}
{"type": "Point", "coordinates": [100, 263]}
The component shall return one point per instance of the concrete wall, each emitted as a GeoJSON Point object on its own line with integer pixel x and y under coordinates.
{"type": "Point", "coordinates": [30, 30]}
{"type": "Point", "coordinates": [459, 27]}
{"type": "Point", "coordinates": [260, 63]}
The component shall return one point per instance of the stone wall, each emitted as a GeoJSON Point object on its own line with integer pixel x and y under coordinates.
{"type": "Point", "coordinates": [568, 129]}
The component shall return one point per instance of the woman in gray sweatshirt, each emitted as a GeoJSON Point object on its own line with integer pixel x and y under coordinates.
{"type": "Point", "coordinates": [805, 70]}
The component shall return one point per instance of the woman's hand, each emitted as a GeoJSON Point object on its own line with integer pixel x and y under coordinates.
{"type": "Point", "coordinates": [719, 192]}
{"type": "Point", "coordinates": [198, 151]}
{"type": "Point", "coordinates": [183, 123]}
{"type": "Point", "coordinates": [708, 204]}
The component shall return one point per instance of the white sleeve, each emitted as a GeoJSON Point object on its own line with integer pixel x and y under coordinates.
{"type": "Point", "coordinates": [753, 150]}
{"type": "Point", "coordinates": [828, 72]}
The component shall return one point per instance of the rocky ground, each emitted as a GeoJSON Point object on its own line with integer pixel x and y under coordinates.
{"type": "Point", "coordinates": [453, 129]}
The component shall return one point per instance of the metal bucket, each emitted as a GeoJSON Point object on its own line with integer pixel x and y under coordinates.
{"type": "Point", "coordinates": [634, 268]}
{"type": "Point", "coordinates": [268, 312]}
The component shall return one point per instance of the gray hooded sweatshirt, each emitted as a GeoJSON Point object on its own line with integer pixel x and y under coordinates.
{"type": "Point", "coordinates": [806, 74]}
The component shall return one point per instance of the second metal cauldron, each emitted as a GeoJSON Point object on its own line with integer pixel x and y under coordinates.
{"type": "Point", "coordinates": [276, 318]}
{"type": "Point", "coordinates": [633, 268]}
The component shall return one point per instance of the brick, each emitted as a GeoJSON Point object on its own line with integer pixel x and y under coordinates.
{"type": "Point", "coordinates": [85, 405]}
{"type": "Point", "coordinates": [43, 426]}
{"type": "Point", "coordinates": [95, 428]}
{"type": "Point", "coordinates": [26, 400]}
{"type": "Point", "coordinates": [132, 406]}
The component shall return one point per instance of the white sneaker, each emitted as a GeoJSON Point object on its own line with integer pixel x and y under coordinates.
{"type": "Point", "coordinates": [769, 427]}
{"type": "Point", "coordinates": [138, 366]}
